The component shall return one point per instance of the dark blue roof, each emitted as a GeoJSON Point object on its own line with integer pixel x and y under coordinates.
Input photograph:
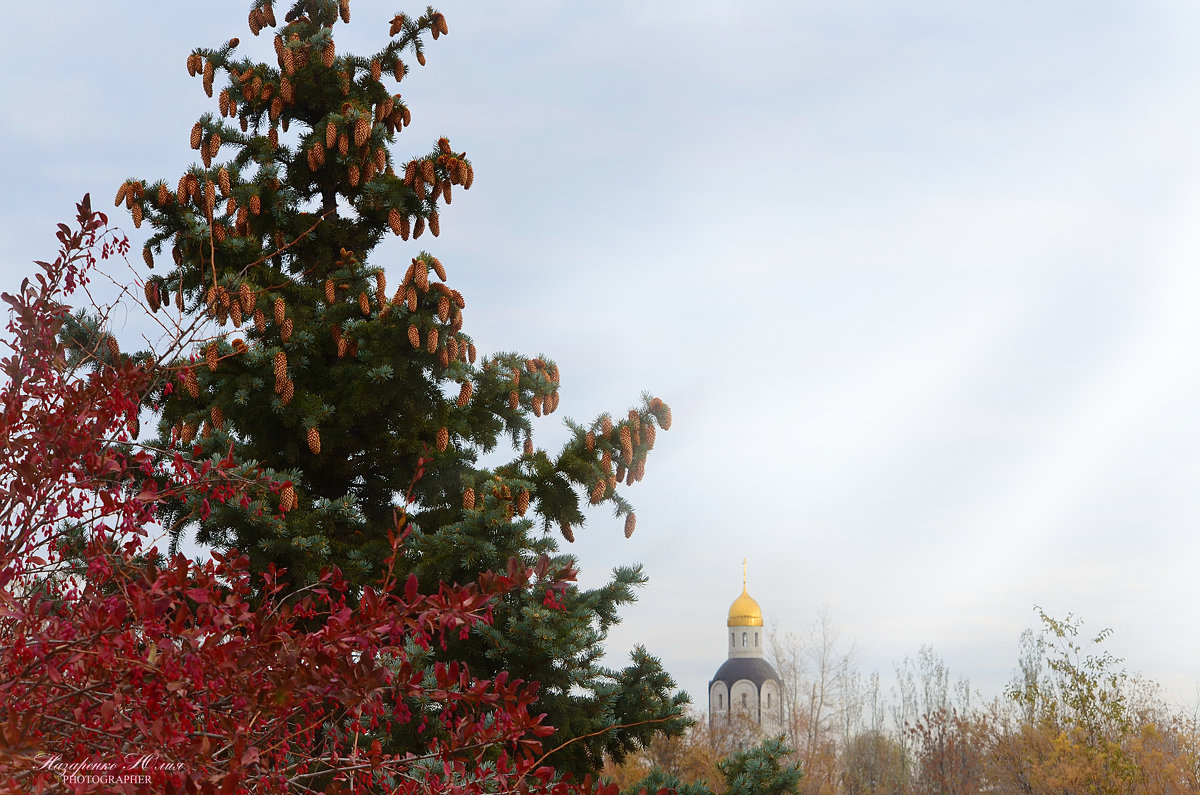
{"type": "Point", "coordinates": [756, 669]}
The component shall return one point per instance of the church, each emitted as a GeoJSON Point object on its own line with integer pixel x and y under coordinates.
{"type": "Point", "coordinates": [746, 685]}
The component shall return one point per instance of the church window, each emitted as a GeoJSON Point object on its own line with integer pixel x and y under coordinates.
{"type": "Point", "coordinates": [743, 699]}
{"type": "Point", "coordinates": [743, 640]}
{"type": "Point", "coordinates": [731, 640]}
{"type": "Point", "coordinates": [756, 640]}
{"type": "Point", "coordinates": [720, 701]}
{"type": "Point", "coordinates": [768, 700]}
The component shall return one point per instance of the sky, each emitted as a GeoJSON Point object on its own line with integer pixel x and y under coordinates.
{"type": "Point", "coordinates": [919, 279]}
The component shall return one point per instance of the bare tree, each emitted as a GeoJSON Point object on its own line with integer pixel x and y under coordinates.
{"type": "Point", "coordinates": [817, 677]}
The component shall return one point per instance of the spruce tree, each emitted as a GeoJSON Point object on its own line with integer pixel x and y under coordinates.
{"type": "Point", "coordinates": [367, 402]}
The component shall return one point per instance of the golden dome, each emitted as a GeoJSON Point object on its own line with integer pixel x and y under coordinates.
{"type": "Point", "coordinates": [745, 612]}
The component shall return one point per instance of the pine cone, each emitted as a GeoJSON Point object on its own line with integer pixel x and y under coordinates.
{"type": "Point", "coordinates": [246, 297]}
{"type": "Point", "coordinates": [314, 441]}
{"type": "Point", "coordinates": [113, 348]}
{"type": "Point", "coordinates": [328, 54]}
{"type": "Point", "coordinates": [289, 389]}
{"type": "Point", "coordinates": [442, 439]}
{"type": "Point", "coordinates": [164, 195]}
{"type": "Point", "coordinates": [197, 135]}
{"type": "Point", "coordinates": [471, 352]}
{"type": "Point", "coordinates": [136, 211]}
{"type": "Point", "coordinates": [606, 425]}
{"type": "Point", "coordinates": [464, 393]}
{"type": "Point", "coordinates": [469, 498]}
{"type": "Point", "coordinates": [665, 419]}
{"type": "Point", "coordinates": [344, 10]}
{"type": "Point", "coordinates": [404, 228]}
{"type": "Point", "coordinates": [364, 304]}
{"type": "Point", "coordinates": [189, 432]}
{"type": "Point", "coordinates": [255, 204]}
{"type": "Point", "coordinates": [410, 298]}
{"type": "Point", "coordinates": [287, 498]}
{"type": "Point", "coordinates": [330, 294]}
{"type": "Point", "coordinates": [650, 434]}
{"type": "Point", "coordinates": [191, 383]}
{"type": "Point", "coordinates": [414, 336]}
{"type": "Point", "coordinates": [434, 224]}
{"type": "Point", "coordinates": [626, 443]}
{"type": "Point", "coordinates": [280, 368]}
{"type": "Point", "coordinates": [443, 310]}
{"type": "Point", "coordinates": [285, 329]}
{"type": "Point", "coordinates": [439, 19]}
{"type": "Point", "coordinates": [210, 356]}
{"type": "Point", "coordinates": [362, 130]}
{"type": "Point", "coordinates": [353, 176]}
{"type": "Point", "coordinates": [567, 533]}
{"type": "Point", "coordinates": [431, 340]}
{"type": "Point", "coordinates": [148, 257]}
{"type": "Point", "coordinates": [394, 221]}
{"type": "Point", "coordinates": [514, 400]}
{"type": "Point", "coordinates": [452, 347]}
{"type": "Point", "coordinates": [639, 471]}
{"type": "Point", "coordinates": [223, 101]}
{"type": "Point", "coordinates": [152, 296]}
{"type": "Point", "coordinates": [589, 441]}
{"type": "Point", "coordinates": [536, 402]}
{"type": "Point", "coordinates": [630, 523]}
{"type": "Point", "coordinates": [522, 504]}
{"type": "Point", "coordinates": [218, 417]}
{"type": "Point", "coordinates": [343, 144]}
{"type": "Point", "coordinates": [598, 492]}
{"type": "Point", "coordinates": [528, 449]}
{"type": "Point", "coordinates": [606, 461]}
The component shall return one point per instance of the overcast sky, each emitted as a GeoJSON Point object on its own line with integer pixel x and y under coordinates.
{"type": "Point", "coordinates": [920, 280]}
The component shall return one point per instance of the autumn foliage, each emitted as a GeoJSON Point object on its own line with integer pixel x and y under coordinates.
{"type": "Point", "coordinates": [124, 671]}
